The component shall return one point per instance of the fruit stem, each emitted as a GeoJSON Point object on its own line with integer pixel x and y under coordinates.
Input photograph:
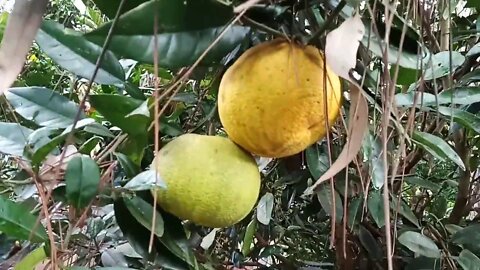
{"type": "Point", "coordinates": [264, 27]}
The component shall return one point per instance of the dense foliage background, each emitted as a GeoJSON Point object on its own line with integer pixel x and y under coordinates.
{"type": "Point", "coordinates": [75, 151]}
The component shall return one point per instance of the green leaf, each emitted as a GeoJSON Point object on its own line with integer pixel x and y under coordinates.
{"type": "Point", "coordinates": [131, 169]}
{"type": "Point", "coordinates": [98, 129]}
{"type": "Point", "coordinates": [115, 109]}
{"type": "Point", "coordinates": [373, 150]}
{"type": "Point", "coordinates": [324, 196]}
{"type": "Point", "coordinates": [110, 7]}
{"type": "Point", "coordinates": [143, 212]}
{"type": "Point", "coordinates": [440, 64]}
{"type": "Point", "coordinates": [404, 59]}
{"type": "Point", "coordinates": [75, 53]}
{"type": "Point", "coordinates": [33, 258]}
{"type": "Point", "coordinates": [265, 208]}
{"type": "Point", "coordinates": [419, 244]}
{"type": "Point", "coordinates": [173, 16]}
{"type": "Point", "coordinates": [468, 261]}
{"type": "Point", "coordinates": [146, 180]}
{"type": "Point", "coordinates": [474, 50]}
{"type": "Point", "coordinates": [473, 4]}
{"type": "Point", "coordinates": [406, 76]}
{"type": "Point", "coordinates": [420, 182]}
{"type": "Point", "coordinates": [354, 212]}
{"type": "Point", "coordinates": [437, 147]}
{"type": "Point", "coordinates": [460, 95]}
{"type": "Point", "coordinates": [134, 91]}
{"type": "Point", "coordinates": [43, 106]}
{"type": "Point", "coordinates": [185, 32]}
{"type": "Point", "coordinates": [370, 244]}
{"type": "Point", "coordinates": [457, 95]}
{"type": "Point", "coordinates": [248, 238]}
{"type": "Point", "coordinates": [82, 177]}
{"type": "Point", "coordinates": [317, 160]}
{"type": "Point", "coordinates": [466, 119]}
{"type": "Point", "coordinates": [376, 207]}
{"type": "Point", "coordinates": [17, 221]}
{"type": "Point", "coordinates": [89, 145]}
{"type": "Point", "coordinates": [139, 238]}
{"type": "Point", "coordinates": [468, 236]}
{"type": "Point", "coordinates": [404, 210]}
{"type": "Point", "coordinates": [177, 50]}
{"type": "Point", "coordinates": [13, 138]}
{"type": "Point", "coordinates": [422, 99]}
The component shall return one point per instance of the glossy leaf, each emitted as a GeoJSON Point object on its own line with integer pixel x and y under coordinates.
{"type": "Point", "coordinates": [376, 207]}
{"type": "Point", "coordinates": [76, 54]}
{"type": "Point", "coordinates": [317, 160]}
{"type": "Point", "coordinates": [143, 212]}
{"type": "Point", "coordinates": [186, 30]}
{"type": "Point", "coordinates": [354, 213]}
{"type": "Point", "coordinates": [265, 208]}
{"type": "Point", "coordinates": [82, 178]}
{"type": "Point", "coordinates": [324, 196]}
{"type": "Point", "coordinates": [419, 244]}
{"type": "Point", "coordinates": [248, 237]}
{"type": "Point", "coordinates": [437, 147]}
{"type": "Point", "coordinates": [43, 106]}
{"type": "Point", "coordinates": [139, 237]}
{"type": "Point", "coordinates": [460, 95]}
{"type": "Point", "coordinates": [370, 244]}
{"type": "Point", "coordinates": [466, 119]}
{"type": "Point", "coordinates": [145, 181]}
{"type": "Point", "coordinates": [17, 221]}
{"type": "Point", "coordinates": [373, 150]}
{"type": "Point", "coordinates": [404, 59]}
{"type": "Point", "coordinates": [131, 169]}
{"type": "Point", "coordinates": [468, 236]}
{"type": "Point", "coordinates": [33, 258]}
{"type": "Point", "coordinates": [439, 65]}
{"type": "Point", "coordinates": [474, 50]}
{"type": "Point", "coordinates": [13, 138]}
{"type": "Point", "coordinates": [173, 16]}
{"type": "Point", "coordinates": [177, 50]}
{"type": "Point", "coordinates": [115, 108]}
{"type": "Point", "coordinates": [468, 261]}
{"type": "Point", "coordinates": [457, 95]}
{"type": "Point", "coordinates": [420, 182]}
{"type": "Point", "coordinates": [404, 210]}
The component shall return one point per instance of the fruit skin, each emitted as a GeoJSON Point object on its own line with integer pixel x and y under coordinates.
{"type": "Point", "coordinates": [271, 100]}
{"type": "Point", "coordinates": [210, 180]}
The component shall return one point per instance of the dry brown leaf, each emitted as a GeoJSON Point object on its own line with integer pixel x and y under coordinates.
{"type": "Point", "coordinates": [22, 26]}
{"type": "Point", "coordinates": [342, 45]}
{"type": "Point", "coordinates": [341, 56]}
{"type": "Point", "coordinates": [357, 128]}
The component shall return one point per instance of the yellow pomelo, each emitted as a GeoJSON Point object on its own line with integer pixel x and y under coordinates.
{"type": "Point", "coordinates": [210, 180]}
{"type": "Point", "coordinates": [274, 100]}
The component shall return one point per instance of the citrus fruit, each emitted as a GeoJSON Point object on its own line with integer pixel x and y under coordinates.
{"type": "Point", "coordinates": [275, 99]}
{"type": "Point", "coordinates": [210, 180]}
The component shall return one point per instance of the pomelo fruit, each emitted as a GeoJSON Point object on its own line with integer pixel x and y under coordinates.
{"type": "Point", "coordinates": [276, 99]}
{"type": "Point", "coordinates": [210, 180]}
